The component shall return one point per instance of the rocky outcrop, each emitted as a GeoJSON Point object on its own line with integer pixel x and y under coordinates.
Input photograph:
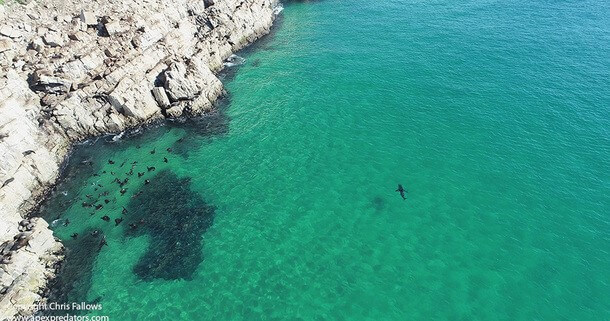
{"type": "Point", "coordinates": [75, 69]}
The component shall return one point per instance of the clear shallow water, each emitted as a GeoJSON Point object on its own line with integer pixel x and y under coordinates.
{"type": "Point", "coordinates": [494, 116]}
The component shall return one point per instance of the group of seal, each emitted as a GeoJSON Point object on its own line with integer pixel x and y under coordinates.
{"type": "Point", "coordinates": [91, 202]}
{"type": "Point", "coordinates": [19, 241]}
{"type": "Point", "coordinates": [26, 153]}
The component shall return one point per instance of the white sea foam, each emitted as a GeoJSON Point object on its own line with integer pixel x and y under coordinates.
{"type": "Point", "coordinates": [55, 223]}
{"type": "Point", "coordinates": [118, 137]}
{"type": "Point", "coordinates": [234, 60]}
{"type": "Point", "coordinates": [279, 8]}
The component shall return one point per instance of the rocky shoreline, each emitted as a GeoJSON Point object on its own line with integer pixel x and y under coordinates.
{"type": "Point", "coordinates": [72, 70]}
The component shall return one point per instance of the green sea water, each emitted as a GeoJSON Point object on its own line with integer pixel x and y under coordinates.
{"type": "Point", "coordinates": [494, 115]}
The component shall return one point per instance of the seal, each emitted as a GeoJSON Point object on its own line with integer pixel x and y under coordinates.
{"type": "Point", "coordinates": [103, 242]}
{"type": "Point", "coordinates": [8, 181]}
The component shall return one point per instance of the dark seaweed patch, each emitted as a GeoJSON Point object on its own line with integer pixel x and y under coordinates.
{"type": "Point", "coordinates": [174, 217]}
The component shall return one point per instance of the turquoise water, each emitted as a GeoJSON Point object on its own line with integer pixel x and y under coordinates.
{"type": "Point", "coordinates": [494, 116]}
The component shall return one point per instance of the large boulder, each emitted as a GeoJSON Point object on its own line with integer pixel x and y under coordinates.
{"type": "Point", "coordinates": [50, 84]}
{"type": "Point", "coordinates": [161, 97]}
{"type": "Point", "coordinates": [113, 27]}
{"type": "Point", "coordinates": [10, 31]}
{"type": "Point", "coordinates": [178, 85]}
{"type": "Point", "coordinates": [88, 18]}
{"type": "Point", "coordinates": [54, 39]}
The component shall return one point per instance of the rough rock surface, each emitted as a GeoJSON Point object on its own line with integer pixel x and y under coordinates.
{"type": "Point", "coordinates": [70, 70]}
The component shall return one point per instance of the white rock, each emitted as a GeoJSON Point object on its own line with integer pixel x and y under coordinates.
{"type": "Point", "coordinates": [80, 36]}
{"type": "Point", "coordinates": [111, 52]}
{"type": "Point", "coordinates": [175, 111]}
{"type": "Point", "coordinates": [113, 27]}
{"type": "Point", "coordinates": [63, 18]}
{"type": "Point", "coordinates": [51, 84]}
{"type": "Point", "coordinates": [37, 44]}
{"type": "Point", "coordinates": [178, 85]}
{"type": "Point", "coordinates": [6, 44]}
{"type": "Point", "coordinates": [88, 18]}
{"type": "Point", "coordinates": [53, 39]}
{"type": "Point", "coordinates": [161, 97]}
{"type": "Point", "coordinates": [10, 31]}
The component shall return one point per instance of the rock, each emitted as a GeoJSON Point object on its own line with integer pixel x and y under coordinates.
{"type": "Point", "coordinates": [200, 105]}
{"type": "Point", "coordinates": [53, 39]}
{"type": "Point", "coordinates": [79, 36]}
{"type": "Point", "coordinates": [113, 27]}
{"type": "Point", "coordinates": [41, 31]}
{"type": "Point", "coordinates": [177, 85]}
{"type": "Point", "coordinates": [10, 31]}
{"type": "Point", "coordinates": [50, 84]}
{"type": "Point", "coordinates": [36, 44]}
{"type": "Point", "coordinates": [88, 18]}
{"type": "Point", "coordinates": [161, 97]}
{"type": "Point", "coordinates": [6, 44]}
{"type": "Point", "coordinates": [19, 64]}
{"type": "Point", "coordinates": [63, 18]}
{"type": "Point", "coordinates": [111, 52]}
{"type": "Point", "coordinates": [115, 123]}
{"type": "Point", "coordinates": [175, 111]}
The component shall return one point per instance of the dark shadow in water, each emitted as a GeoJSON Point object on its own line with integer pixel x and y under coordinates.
{"type": "Point", "coordinates": [202, 130]}
{"type": "Point", "coordinates": [378, 203]}
{"type": "Point", "coordinates": [175, 218]}
{"type": "Point", "coordinates": [73, 280]}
